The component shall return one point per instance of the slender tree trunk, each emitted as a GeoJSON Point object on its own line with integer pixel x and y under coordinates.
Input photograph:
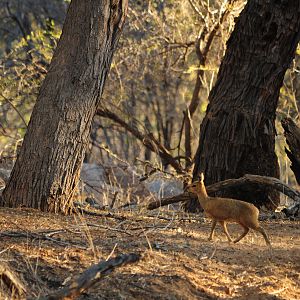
{"type": "Point", "coordinates": [238, 132]}
{"type": "Point", "coordinates": [47, 170]}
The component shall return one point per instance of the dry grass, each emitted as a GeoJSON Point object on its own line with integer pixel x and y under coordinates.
{"type": "Point", "coordinates": [178, 262]}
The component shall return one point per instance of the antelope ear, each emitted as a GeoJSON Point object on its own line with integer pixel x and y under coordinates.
{"type": "Point", "coordinates": [202, 178]}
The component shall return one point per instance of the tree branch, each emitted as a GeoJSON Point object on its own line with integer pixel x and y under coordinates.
{"type": "Point", "coordinates": [91, 275]}
{"type": "Point", "coordinates": [202, 57]}
{"type": "Point", "coordinates": [10, 281]}
{"type": "Point", "coordinates": [15, 108]}
{"type": "Point", "coordinates": [148, 140]}
{"type": "Point", "coordinates": [229, 183]}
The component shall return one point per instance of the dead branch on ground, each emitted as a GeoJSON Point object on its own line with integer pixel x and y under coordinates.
{"type": "Point", "coordinates": [32, 235]}
{"type": "Point", "coordinates": [10, 282]}
{"type": "Point", "coordinates": [229, 183]}
{"type": "Point", "coordinates": [83, 210]}
{"type": "Point", "coordinates": [170, 200]}
{"type": "Point", "coordinates": [90, 276]}
{"type": "Point", "coordinates": [109, 228]}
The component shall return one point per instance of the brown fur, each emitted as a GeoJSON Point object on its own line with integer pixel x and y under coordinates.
{"type": "Point", "coordinates": [225, 210]}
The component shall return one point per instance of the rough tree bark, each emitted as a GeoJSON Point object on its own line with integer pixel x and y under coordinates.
{"type": "Point", "coordinates": [292, 136]}
{"type": "Point", "coordinates": [238, 132]}
{"type": "Point", "coordinates": [47, 169]}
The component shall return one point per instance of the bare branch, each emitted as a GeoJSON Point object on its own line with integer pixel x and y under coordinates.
{"type": "Point", "coordinates": [16, 20]}
{"type": "Point", "coordinates": [196, 9]}
{"type": "Point", "coordinates": [91, 276]}
{"type": "Point", "coordinates": [202, 57]}
{"type": "Point", "coordinates": [15, 108]}
{"type": "Point", "coordinates": [170, 200]}
{"type": "Point", "coordinates": [10, 280]}
{"type": "Point", "coordinates": [147, 139]}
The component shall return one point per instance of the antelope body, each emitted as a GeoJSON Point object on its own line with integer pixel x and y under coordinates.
{"type": "Point", "coordinates": [225, 210]}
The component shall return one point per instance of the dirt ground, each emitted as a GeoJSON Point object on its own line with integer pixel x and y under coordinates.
{"type": "Point", "coordinates": [177, 261]}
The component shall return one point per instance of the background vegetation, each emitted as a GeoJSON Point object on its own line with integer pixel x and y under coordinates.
{"type": "Point", "coordinates": [166, 62]}
{"type": "Point", "coordinates": [152, 81]}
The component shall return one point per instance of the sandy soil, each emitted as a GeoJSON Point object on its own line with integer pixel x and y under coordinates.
{"type": "Point", "coordinates": [178, 262]}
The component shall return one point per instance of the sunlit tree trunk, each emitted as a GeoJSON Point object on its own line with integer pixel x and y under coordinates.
{"type": "Point", "coordinates": [47, 169]}
{"type": "Point", "coordinates": [238, 132]}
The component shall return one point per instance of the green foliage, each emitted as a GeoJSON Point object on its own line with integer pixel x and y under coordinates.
{"type": "Point", "coordinates": [21, 74]}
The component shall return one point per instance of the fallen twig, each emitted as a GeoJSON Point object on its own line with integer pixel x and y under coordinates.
{"type": "Point", "coordinates": [9, 280]}
{"type": "Point", "coordinates": [109, 228]}
{"type": "Point", "coordinates": [170, 200]}
{"type": "Point", "coordinates": [90, 276]}
{"type": "Point", "coordinates": [32, 235]}
{"type": "Point", "coordinates": [105, 215]}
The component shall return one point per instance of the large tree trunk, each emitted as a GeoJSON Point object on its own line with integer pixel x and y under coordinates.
{"type": "Point", "coordinates": [238, 132]}
{"type": "Point", "coordinates": [47, 170]}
